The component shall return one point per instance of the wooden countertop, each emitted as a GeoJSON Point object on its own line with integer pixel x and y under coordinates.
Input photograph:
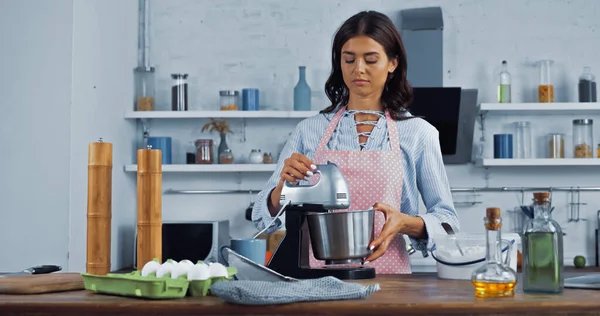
{"type": "Point", "coordinates": [416, 294]}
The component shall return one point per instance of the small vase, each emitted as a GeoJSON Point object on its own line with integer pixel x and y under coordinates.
{"type": "Point", "coordinates": [223, 145]}
{"type": "Point", "coordinates": [302, 93]}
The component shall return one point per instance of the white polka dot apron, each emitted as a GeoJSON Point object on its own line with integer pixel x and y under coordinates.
{"type": "Point", "coordinates": [373, 176]}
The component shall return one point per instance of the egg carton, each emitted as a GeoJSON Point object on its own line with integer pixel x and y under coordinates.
{"type": "Point", "coordinates": [161, 281]}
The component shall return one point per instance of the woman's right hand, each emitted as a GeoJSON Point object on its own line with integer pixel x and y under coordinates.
{"type": "Point", "coordinates": [296, 167]}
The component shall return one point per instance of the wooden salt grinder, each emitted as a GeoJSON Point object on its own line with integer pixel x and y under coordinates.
{"type": "Point", "coordinates": [149, 206]}
{"type": "Point", "coordinates": [99, 214]}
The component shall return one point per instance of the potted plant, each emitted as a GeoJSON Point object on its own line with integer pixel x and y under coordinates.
{"type": "Point", "coordinates": [222, 128]}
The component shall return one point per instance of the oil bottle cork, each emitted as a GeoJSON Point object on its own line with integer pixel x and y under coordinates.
{"type": "Point", "coordinates": [149, 206]}
{"type": "Point", "coordinates": [493, 220]}
{"type": "Point", "coordinates": [99, 214]}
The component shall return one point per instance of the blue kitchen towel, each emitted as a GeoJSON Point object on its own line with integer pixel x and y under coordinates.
{"type": "Point", "coordinates": [250, 292]}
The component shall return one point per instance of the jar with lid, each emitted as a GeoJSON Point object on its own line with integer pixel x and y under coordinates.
{"type": "Point", "coordinates": [179, 92]}
{"type": "Point", "coordinates": [144, 88]}
{"type": "Point", "coordinates": [226, 157]}
{"type": "Point", "coordinates": [587, 86]}
{"type": "Point", "coordinates": [228, 100]}
{"type": "Point", "coordinates": [556, 145]}
{"type": "Point", "coordinates": [546, 84]}
{"type": "Point", "coordinates": [583, 138]}
{"type": "Point", "coordinates": [255, 156]}
{"type": "Point", "coordinates": [267, 158]}
{"type": "Point", "coordinates": [204, 151]}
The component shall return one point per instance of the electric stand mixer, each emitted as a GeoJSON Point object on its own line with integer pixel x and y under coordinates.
{"type": "Point", "coordinates": [336, 237]}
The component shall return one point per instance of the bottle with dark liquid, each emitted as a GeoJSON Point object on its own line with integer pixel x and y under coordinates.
{"type": "Point", "coordinates": [179, 92]}
{"type": "Point", "coordinates": [542, 250]}
{"type": "Point", "coordinates": [587, 86]}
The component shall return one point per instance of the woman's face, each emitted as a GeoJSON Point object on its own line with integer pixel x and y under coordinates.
{"type": "Point", "coordinates": [365, 66]}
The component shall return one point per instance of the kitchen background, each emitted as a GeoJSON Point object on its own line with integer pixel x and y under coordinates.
{"type": "Point", "coordinates": [67, 80]}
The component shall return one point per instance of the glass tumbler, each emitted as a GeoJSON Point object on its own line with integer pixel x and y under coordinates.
{"type": "Point", "coordinates": [522, 141]}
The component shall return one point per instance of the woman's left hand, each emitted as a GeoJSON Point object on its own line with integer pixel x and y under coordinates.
{"type": "Point", "coordinates": [394, 222]}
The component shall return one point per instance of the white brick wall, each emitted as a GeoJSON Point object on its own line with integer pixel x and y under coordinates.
{"type": "Point", "coordinates": [233, 44]}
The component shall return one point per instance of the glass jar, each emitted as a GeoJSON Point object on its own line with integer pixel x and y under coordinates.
{"type": "Point", "coordinates": [179, 92]}
{"type": "Point", "coordinates": [267, 158]}
{"type": "Point", "coordinates": [583, 138]}
{"type": "Point", "coordinates": [556, 145]}
{"type": "Point", "coordinates": [546, 85]}
{"type": "Point", "coordinates": [204, 151]}
{"type": "Point", "coordinates": [190, 153]}
{"type": "Point", "coordinates": [494, 278]}
{"type": "Point", "coordinates": [255, 156]}
{"type": "Point", "coordinates": [226, 157]}
{"type": "Point", "coordinates": [598, 151]}
{"type": "Point", "coordinates": [228, 100]}
{"type": "Point", "coordinates": [144, 88]}
{"type": "Point", "coordinates": [587, 86]}
{"type": "Point", "coordinates": [542, 249]}
{"type": "Point", "coordinates": [522, 141]}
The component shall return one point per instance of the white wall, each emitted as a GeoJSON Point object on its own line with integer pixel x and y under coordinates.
{"type": "Point", "coordinates": [230, 44]}
{"type": "Point", "coordinates": [66, 78]}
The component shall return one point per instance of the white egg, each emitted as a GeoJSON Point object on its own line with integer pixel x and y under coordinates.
{"type": "Point", "coordinates": [198, 272]}
{"type": "Point", "coordinates": [180, 269]}
{"type": "Point", "coordinates": [187, 263]}
{"type": "Point", "coordinates": [150, 267]}
{"type": "Point", "coordinates": [164, 268]}
{"type": "Point", "coordinates": [217, 270]}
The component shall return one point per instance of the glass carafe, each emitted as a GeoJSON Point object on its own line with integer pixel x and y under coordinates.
{"type": "Point", "coordinates": [494, 278]}
{"type": "Point", "coordinates": [546, 84]}
{"type": "Point", "coordinates": [542, 249]}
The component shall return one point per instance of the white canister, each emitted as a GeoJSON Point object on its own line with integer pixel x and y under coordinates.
{"type": "Point", "coordinates": [255, 156]}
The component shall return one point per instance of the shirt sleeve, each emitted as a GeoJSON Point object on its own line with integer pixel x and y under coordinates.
{"type": "Point", "coordinates": [433, 184]}
{"type": "Point", "coordinates": [260, 211]}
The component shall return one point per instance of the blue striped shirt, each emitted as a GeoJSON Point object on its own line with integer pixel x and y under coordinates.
{"type": "Point", "coordinates": [424, 170]}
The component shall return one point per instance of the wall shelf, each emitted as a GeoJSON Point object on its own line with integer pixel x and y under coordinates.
{"type": "Point", "coordinates": [539, 108]}
{"type": "Point", "coordinates": [540, 162]}
{"type": "Point", "coordinates": [211, 168]}
{"type": "Point", "coordinates": [217, 114]}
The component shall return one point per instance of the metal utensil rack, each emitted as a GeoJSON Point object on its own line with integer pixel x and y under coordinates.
{"type": "Point", "coordinates": [574, 195]}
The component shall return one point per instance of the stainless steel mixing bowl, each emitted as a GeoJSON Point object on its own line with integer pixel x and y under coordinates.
{"type": "Point", "coordinates": [341, 237]}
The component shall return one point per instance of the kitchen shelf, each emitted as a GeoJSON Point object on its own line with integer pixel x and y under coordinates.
{"type": "Point", "coordinates": [540, 162]}
{"type": "Point", "coordinates": [211, 168]}
{"type": "Point", "coordinates": [217, 114]}
{"type": "Point", "coordinates": [540, 108]}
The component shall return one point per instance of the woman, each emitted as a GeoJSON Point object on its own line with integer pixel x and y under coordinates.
{"type": "Point", "coordinates": [387, 155]}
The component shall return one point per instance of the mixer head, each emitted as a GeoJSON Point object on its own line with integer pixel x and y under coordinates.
{"type": "Point", "coordinates": [331, 191]}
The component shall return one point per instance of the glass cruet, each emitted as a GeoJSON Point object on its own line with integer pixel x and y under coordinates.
{"type": "Point", "coordinates": [542, 249]}
{"type": "Point", "coordinates": [494, 278]}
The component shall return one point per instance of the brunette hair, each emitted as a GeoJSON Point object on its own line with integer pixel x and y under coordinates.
{"type": "Point", "coordinates": [397, 93]}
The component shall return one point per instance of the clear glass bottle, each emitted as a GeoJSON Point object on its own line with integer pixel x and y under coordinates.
{"type": "Point", "coordinates": [144, 88]}
{"type": "Point", "coordinates": [583, 138]}
{"type": "Point", "coordinates": [546, 85]}
{"type": "Point", "coordinates": [587, 86]}
{"type": "Point", "coordinates": [494, 278]}
{"type": "Point", "coordinates": [504, 94]}
{"type": "Point", "coordinates": [523, 140]}
{"type": "Point", "coordinates": [542, 249]}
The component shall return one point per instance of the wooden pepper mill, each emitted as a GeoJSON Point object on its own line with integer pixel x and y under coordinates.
{"type": "Point", "coordinates": [99, 200]}
{"type": "Point", "coordinates": [149, 206]}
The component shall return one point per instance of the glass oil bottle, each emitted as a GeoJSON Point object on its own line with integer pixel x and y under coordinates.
{"type": "Point", "coordinates": [504, 85]}
{"type": "Point", "coordinates": [542, 250]}
{"type": "Point", "coordinates": [494, 278]}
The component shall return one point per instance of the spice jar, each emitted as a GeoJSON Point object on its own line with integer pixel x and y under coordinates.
{"type": "Point", "coordinates": [204, 151]}
{"type": "Point", "coordinates": [228, 100]}
{"type": "Point", "coordinates": [255, 156]}
{"type": "Point", "coordinates": [583, 138]}
{"type": "Point", "coordinates": [144, 88]}
{"type": "Point", "coordinates": [179, 92]}
{"type": "Point", "coordinates": [226, 157]}
{"type": "Point", "coordinates": [556, 146]}
{"type": "Point", "coordinates": [267, 158]}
